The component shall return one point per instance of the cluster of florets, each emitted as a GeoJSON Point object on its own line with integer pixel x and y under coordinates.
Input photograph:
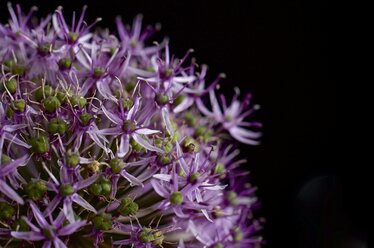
{"type": "Point", "coordinates": [108, 140]}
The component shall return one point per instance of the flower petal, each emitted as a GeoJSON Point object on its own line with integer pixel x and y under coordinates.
{"type": "Point", "coordinates": [145, 144]}
{"type": "Point", "coordinates": [32, 236]}
{"type": "Point", "coordinates": [9, 192]}
{"type": "Point", "coordinates": [71, 228]}
{"type": "Point", "coordinates": [124, 146]}
{"type": "Point", "coordinates": [133, 180]}
{"type": "Point", "coordinates": [82, 202]}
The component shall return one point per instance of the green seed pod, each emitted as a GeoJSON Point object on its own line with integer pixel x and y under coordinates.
{"type": "Point", "coordinates": [146, 235]}
{"type": "Point", "coordinates": [162, 99]}
{"type": "Point", "coordinates": [73, 36]}
{"type": "Point", "coordinates": [194, 176]}
{"type": "Point", "coordinates": [159, 238]}
{"type": "Point", "coordinates": [66, 190]}
{"type": "Point", "coordinates": [39, 144]}
{"type": "Point", "coordinates": [18, 69]}
{"type": "Point", "coordinates": [9, 112]}
{"type": "Point", "coordinates": [57, 126]}
{"type": "Point", "coordinates": [191, 145]}
{"type": "Point", "coordinates": [190, 119]}
{"type": "Point", "coordinates": [72, 159]}
{"type": "Point", "coordinates": [128, 207]}
{"type": "Point", "coordinates": [20, 225]}
{"type": "Point", "coordinates": [176, 198]}
{"type": "Point", "coordinates": [163, 159]}
{"type": "Point", "coordinates": [220, 168]}
{"type": "Point", "coordinates": [116, 165]}
{"type": "Point", "coordinates": [64, 63]}
{"type": "Point", "coordinates": [5, 159]}
{"type": "Point", "coordinates": [19, 105]}
{"type": "Point", "coordinates": [135, 146]}
{"type": "Point", "coordinates": [11, 85]}
{"type": "Point", "coordinates": [7, 211]}
{"type": "Point", "coordinates": [36, 189]}
{"type": "Point", "coordinates": [232, 197]}
{"type": "Point", "coordinates": [98, 71]}
{"type": "Point", "coordinates": [106, 187]}
{"type": "Point", "coordinates": [178, 100]}
{"type": "Point", "coordinates": [237, 234]}
{"type": "Point", "coordinates": [85, 118]}
{"type": "Point", "coordinates": [95, 189]}
{"type": "Point", "coordinates": [78, 101]}
{"type": "Point", "coordinates": [127, 103]}
{"type": "Point", "coordinates": [103, 221]}
{"type": "Point", "coordinates": [43, 92]}
{"type": "Point", "coordinates": [51, 104]}
{"type": "Point", "coordinates": [219, 245]}
{"type": "Point", "coordinates": [129, 125]}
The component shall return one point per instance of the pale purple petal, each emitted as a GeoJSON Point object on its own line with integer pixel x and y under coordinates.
{"type": "Point", "coordinates": [163, 177]}
{"type": "Point", "coordinates": [132, 112]}
{"type": "Point", "coordinates": [86, 182]}
{"type": "Point", "coordinates": [124, 146]}
{"type": "Point", "coordinates": [12, 128]}
{"type": "Point", "coordinates": [242, 139]}
{"type": "Point", "coordinates": [146, 131]}
{"type": "Point", "coordinates": [185, 104]}
{"type": "Point", "coordinates": [38, 216]}
{"type": "Point", "coordinates": [68, 210]}
{"type": "Point", "coordinates": [16, 140]}
{"type": "Point", "coordinates": [145, 144]}
{"type": "Point", "coordinates": [9, 192]}
{"type": "Point", "coordinates": [166, 118]}
{"type": "Point", "coordinates": [133, 180]}
{"type": "Point", "coordinates": [112, 117]}
{"type": "Point", "coordinates": [71, 228]}
{"type": "Point", "coordinates": [159, 189]}
{"type": "Point", "coordinates": [57, 243]}
{"type": "Point", "coordinates": [31, 236]}
{"type": "Point", "coordinates": [82, 202]}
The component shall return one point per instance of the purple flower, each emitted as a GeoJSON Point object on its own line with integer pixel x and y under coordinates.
{"type": "Point", "coordinates": [232, 117]}
{"type": "Point", "coordinates": [47, 231]}
{"type": "Point", "coordinates": [9, 171]}
{"type": "Point", "coordinates": [67, 193]}
{"type": "Point", "coordinates": [113, 135]}
{"type": "Point", "coordinates": [127, 127]}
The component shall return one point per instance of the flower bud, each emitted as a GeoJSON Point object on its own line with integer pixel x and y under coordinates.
{"type": "Point", "coordinates": [103, 221]}
{"type": "Point", "coordinates": [36, 189]}
{"type": "Point", "coordinates": [85, 118]}
{"type": "Point", "coordinates": [51, 104]}
{"type": "Point", "coordinates": [176, 198]}
{"type": "Point", "coordinates": [7, 211]}
{"type": "Point", "coordinates": [20, 225]}
{"type": "Point", "coordinates": [43, 92]}
{"type": "Point", "coordinates": [127, 207]}
{"type": "Point", "coordinates": [162, 99]}
{"type": "Point", "coordinates": [66, 190]}
{"type": "Point", "coordinates": [19, 105]}
{"type": "Point", "coordinates": [10, 85]}
{"type": "Point", "coordinates": [72, 159]}
{"type": "Point", "coordinates": [78, 101]}
{"type": "Point", "coordinates": [64, 63]}
{"type": "Point", "coordinates": [98, 71]}
{"type": "Point", "coordinates": [146, 235]}
{"type": "Point", "coordinates": [39, 144]}
{"type": "Point", "coordinates": [116, 165]}
{"type": "Point", "coordinates": [57, 126]}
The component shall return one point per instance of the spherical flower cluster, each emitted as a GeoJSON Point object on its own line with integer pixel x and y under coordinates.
{"type": "Point", "coordinates": [108, 141]}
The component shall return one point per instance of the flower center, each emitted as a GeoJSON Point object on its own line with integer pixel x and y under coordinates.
{"type": "Point", "coordinates": [176, 198]}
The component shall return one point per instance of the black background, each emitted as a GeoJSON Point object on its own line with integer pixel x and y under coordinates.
{"type": "Point", "coordinates": [282, 52]}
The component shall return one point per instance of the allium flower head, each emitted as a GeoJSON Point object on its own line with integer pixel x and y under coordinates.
{"type": "Point", "coordinates": [108, 141]}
